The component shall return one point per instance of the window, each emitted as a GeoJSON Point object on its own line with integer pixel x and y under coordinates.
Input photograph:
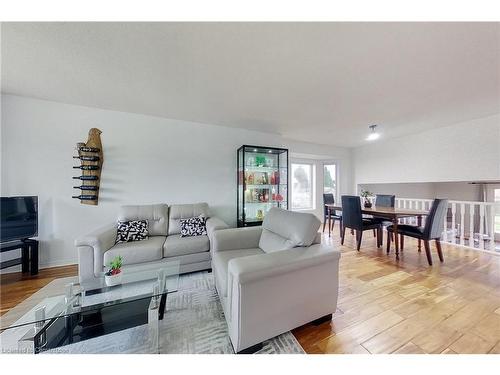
{"type": "Point", "coordinates": [302, 186]}
{"type": "Point", "coordinates": [330, 179]}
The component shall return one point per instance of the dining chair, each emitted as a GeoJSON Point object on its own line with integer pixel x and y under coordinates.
{"type": "Point", "coordinates": [432, 229]}
{"type": "Point", "coordinates": [329, 199]}
{"type": "Point", "coordinates": [384, 200]}
{"type": "Point", "coordinates": [353, 218]}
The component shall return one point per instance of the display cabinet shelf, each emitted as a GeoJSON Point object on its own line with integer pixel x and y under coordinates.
{"type": "Point", "coordinates": [262, 182]}
{"type": "Point", "coordinates": [272, 202]}
{"type": "Point", "coordinates": [264, 169]}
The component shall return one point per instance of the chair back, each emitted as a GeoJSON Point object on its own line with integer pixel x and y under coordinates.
{"type": "Point", "coordinates": [327, 199]}
{"type": "Point", "coordinates": [435, 220]}
{"type": "Point", "coordinates": [282, 230]}
{"type": "Point", "coordinates": [383, 200]}
{"type": "Point", "coordinates": [351, 212]}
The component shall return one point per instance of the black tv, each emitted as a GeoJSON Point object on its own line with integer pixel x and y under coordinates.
{"type": "Point", "coordinates": [19, 218]}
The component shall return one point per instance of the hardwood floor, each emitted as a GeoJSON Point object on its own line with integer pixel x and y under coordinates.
{"type": "Point", "coordinates": [406, 306]}
{"type": "Point", "coordinates": [16, 287]}
{"type": "Point", "coordinates": [385, 306]}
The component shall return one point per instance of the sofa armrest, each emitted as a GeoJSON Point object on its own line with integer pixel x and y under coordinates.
{"type": "Point", "coordinates": [91, 249]}
{"type": "Point", "coordinates": [213, 224]}
{"type": "Point", "coordinates": [236, 238]}
{"type": "Point", "coordinates": [260, 266]}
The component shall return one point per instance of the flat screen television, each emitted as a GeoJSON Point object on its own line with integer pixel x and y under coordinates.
{"type": "Point", "coordinates": [19, 218]}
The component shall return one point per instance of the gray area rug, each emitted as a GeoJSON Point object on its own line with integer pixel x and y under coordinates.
{"type": "Point", "coordinates": [194, 323]}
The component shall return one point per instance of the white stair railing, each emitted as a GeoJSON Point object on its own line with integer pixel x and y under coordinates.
{"type": "Point", "coordinates": [467, 223]}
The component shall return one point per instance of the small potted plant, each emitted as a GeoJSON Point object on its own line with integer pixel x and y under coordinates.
{"type": "Point", "coordinates": [114, 275]}
{"type": "Point", "coordinates": [366, 195]}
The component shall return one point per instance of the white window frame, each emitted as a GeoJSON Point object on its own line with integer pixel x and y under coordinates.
{"type": "Point", "coordinates": [312, 166]}
{"type": "Point", "coordinates": [325, 163]}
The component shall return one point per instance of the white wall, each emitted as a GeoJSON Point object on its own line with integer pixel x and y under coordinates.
{"type": "Point", "coordinates": [146, 160]}
{"type": "Point", "coordinates": [468, 151]}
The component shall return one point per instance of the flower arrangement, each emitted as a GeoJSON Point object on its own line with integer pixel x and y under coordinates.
{"type": "Point", "coordinates": [366, 194]}
{"type": "Point", "coordinates": [115, 266]}
{"type": "Point", "coordinates": [114, 275]}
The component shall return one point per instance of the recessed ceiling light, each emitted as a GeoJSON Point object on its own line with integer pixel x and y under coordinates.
{"type": "Point", "coordinates": [254, 150]}
{"type": "Point", "coordinates": [270, 151]}
{"type": "Point", "coordinates": [373, 135]}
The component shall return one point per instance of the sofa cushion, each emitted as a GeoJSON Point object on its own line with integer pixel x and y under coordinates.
{"type": "Point", "coordinates": [155, 214]}
{"type": "Point", "coordinates": [133, 230]}
{"type": "Point", "coordinates": [220, 260]}
{"type": "Point", "coordinates": [136, 252]}
{"type": "Point", "coordinates": [294, 228]}
{"type": "Point", "coordinates": [194, 226]}
{"type": "Point", "coordinates": [185, 211]}
{"type": "Point", "coordinates": [176, 245]}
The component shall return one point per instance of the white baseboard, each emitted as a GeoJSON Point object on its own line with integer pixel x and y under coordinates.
{"type": "Point", "coordinates": [60, 263]}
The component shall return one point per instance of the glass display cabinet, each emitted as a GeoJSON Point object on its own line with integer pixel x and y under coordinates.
{"type": "Point", "coordinates": [262, 182]}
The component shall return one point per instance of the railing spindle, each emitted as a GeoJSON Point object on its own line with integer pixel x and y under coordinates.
{"type": "Point", "coordinates": [453, 222]}
{"type": "Point", "coordinates": [445, 227]}
{"type": "Point", "coordinates": [481, 226]}
{"type": "Point", "coordinates": [462, 223]}
{"type": "Point", "coordinates": [492, 228]}
{"type": "Point", "coordinates": [472, 209]}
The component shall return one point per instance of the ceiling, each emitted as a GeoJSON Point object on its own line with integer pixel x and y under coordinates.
{"type": "Point", "coordinates": [315, 82]}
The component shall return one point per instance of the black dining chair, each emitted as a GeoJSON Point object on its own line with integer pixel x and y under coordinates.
{"type": "Point", "coordinates": [432, 229]}
{"type": "Point", "coordinates": [353, 218]}
{"type": "Point", "coordinates": [383, 200]}
{"type": "Point", "coordinates": [329, 199]}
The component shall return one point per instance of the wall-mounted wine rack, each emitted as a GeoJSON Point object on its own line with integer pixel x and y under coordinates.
{"type": "Point", "coordinates": [91, 159]}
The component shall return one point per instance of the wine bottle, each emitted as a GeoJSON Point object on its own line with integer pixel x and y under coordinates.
{"type": "Point", "coordinates": [86, 178]}
{"type": "Point", "coordinates": [88, 149]}
{"type": "Point", "coordinates": [87, 167]}
{"type": "Point", "coordinates": [87, 158]}
{"type": "Point", "coordinates": [85, 197]}
{"type": "Point", "coordinates": [85, 187]}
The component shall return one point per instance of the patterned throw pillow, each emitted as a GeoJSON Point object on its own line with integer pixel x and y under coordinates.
{"type": "Point", "coordinates": [194, 226]}
{"type": "Point", "coordinates": [134, 230]}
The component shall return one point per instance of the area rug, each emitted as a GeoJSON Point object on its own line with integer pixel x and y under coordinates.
{"type": "Point", "coordinates": [194, 323]}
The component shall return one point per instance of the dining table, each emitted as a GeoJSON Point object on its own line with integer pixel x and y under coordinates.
{"type": "Point", "coordinates": [393, 214]}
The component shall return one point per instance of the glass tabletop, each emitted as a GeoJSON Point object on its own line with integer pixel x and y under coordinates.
{"type": "Point", "coordinates": [67, 297]}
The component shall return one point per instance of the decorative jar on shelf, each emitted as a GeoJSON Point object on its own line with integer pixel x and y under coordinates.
{"type": "Point", "coordinates": [260, 215]}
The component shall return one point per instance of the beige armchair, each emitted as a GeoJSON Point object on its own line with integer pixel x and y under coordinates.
{"type": "Point", "coordinates": [274, 278]}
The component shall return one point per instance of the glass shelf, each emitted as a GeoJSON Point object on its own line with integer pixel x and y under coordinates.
{"type": "Point", "coordinates": [272, 202]}
{"type": "Point", "coordinates": [264, 169]}
{"type": "Point", "coordinates": [261, 186]}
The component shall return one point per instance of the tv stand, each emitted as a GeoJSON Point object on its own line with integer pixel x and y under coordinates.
{"type": "Point", "coordinates": [29, 255]}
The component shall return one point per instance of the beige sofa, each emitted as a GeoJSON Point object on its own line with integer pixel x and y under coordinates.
{"type": "Point", "coordinates": [98, 248]}
{"type": "Point", "coordinates": [274, 278]}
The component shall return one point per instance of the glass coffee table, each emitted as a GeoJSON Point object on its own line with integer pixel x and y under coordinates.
{"type": "Point", "coordinates": [69, 312]}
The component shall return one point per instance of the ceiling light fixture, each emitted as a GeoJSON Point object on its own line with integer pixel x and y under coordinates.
{"type": "Point", "coordinates": [373, 135]}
